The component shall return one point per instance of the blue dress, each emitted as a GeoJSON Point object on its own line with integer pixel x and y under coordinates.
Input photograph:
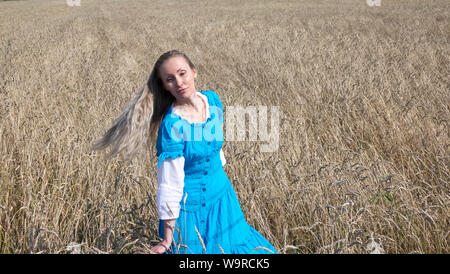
{"type": "Point", "coordinates": [210, 220]}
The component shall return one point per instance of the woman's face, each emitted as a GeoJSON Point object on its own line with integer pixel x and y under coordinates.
{"type": "Point", "coordinates": [178, 77]}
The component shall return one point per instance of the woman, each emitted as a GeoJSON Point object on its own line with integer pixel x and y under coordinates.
{"type": "Point", "coordinates": [198, 209]}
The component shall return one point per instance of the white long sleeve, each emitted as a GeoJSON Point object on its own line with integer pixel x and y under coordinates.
{"type": "Point", "coordinates": [222, 157]}
{"type": "Point", "coordinates": [170, 186]}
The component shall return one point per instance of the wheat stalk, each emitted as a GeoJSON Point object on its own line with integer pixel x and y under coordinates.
{"type": "Point", "coordinates": [200, 238]}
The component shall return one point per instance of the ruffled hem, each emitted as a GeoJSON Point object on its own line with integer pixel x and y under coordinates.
{"type": "Point", "coordinates": [254, 244]}
{"type": "Point", "coordinates": [164, 155]}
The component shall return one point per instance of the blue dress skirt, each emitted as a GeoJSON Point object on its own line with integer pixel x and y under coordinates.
{"type": "Point", "coordinates": [211, 220]}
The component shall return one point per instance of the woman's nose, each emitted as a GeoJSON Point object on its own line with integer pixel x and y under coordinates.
{"type": "Point", "coordinates": [178, 81]}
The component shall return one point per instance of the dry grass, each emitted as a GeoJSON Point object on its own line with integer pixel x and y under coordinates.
{"type": "Point", "coordinates": [364, 130]}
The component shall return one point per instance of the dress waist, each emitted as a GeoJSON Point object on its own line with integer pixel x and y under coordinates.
{"type": "Point", "coordinates": [200, 168]}
{"type": "Point", "coordinates": [203, 190]}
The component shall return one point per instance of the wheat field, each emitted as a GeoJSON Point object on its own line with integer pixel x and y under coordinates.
{"type": "Point", "coordinates": [363, 94]}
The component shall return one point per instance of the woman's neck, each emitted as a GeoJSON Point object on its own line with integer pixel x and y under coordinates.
{"type": "Point", "coordinates": [193, 114]}
{"type": "Point", "coordinates": [194, 102]}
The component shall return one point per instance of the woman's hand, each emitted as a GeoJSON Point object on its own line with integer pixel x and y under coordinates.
{"type": "Point", "coordinates": [164, 245]}
{"type": "Point", "coordinates": [160, 248]}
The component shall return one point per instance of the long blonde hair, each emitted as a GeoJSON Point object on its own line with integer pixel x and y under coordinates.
{"type": "Point", "coordinates": [137, 127]}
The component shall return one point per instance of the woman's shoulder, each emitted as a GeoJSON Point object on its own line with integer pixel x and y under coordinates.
{"type": "Point", "coordinates": [168, 120]}
{"type": "Point", "coordinates": [170, 140]}
{"type": "Point", "coordinates": [209, 93]}
{"type": "Point", "coordinates": [171, 124]}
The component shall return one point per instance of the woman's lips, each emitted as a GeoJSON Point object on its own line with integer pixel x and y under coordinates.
{"type": "Point", "coordinates": [182, 90]}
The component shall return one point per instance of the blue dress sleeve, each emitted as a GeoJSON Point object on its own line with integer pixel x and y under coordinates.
{"type": "Point", "coordinates": [170, 142]}
{"type": "Point", "coordinates": [216, 105]}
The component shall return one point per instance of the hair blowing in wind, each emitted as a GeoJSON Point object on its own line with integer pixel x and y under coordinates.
{"type": "Point", "coordinates": [130, 131]}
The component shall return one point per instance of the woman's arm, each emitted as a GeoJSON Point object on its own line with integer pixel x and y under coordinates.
{"type": "Point", "coordinates": [168, 231]}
